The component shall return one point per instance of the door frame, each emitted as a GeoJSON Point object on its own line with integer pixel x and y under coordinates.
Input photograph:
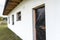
{"type": "Point", "coordinates": [34, 19]}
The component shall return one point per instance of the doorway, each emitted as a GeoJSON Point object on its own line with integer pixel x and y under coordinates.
{"type": "Point", "coordinates": [39, 21]}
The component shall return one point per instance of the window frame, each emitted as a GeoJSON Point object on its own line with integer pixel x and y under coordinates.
{"type": "Point", "coordinates": [18, 16]}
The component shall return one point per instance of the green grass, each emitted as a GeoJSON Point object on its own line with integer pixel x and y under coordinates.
{"type": "Point", "coordinates": [7, 34]}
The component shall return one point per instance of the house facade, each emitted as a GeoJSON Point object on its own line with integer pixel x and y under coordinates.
{"type": "Point", "coordinates": [24, 27]}
{"type": "Point", "coordinates": [21, 19]}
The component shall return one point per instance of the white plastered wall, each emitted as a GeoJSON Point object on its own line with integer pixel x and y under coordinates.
{"type": "Point", "coordinates": [24, 28]}
{"type": "Point", "coordinates": [53, 19]}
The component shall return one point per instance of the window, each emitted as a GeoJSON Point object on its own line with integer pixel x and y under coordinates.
{"type": "Point", "coordinates": [12, 19]}
{"type": "Point", "coordinates": [19, 16]}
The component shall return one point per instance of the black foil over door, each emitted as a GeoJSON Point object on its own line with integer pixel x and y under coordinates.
{"type": "Point", "coordinates": [40, 24]}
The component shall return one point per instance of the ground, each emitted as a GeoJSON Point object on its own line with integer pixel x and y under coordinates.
{"type": "Point", "coordinates": [7, 34]}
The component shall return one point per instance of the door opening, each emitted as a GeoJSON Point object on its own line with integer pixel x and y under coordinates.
{"type": "Point", "coordinates": [40, 27]}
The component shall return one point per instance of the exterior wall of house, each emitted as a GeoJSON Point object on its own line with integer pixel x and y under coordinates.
{"type": "Point", "coordinates": [53, 19]}
{"type": "Point", "coordinates": [24, 28]}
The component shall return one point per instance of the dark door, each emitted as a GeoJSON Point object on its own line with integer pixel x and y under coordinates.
{"type": "Point", "coordinates": [40, 23]}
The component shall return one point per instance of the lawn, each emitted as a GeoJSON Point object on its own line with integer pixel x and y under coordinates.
{"type": "Point", "coordinates": [7, 34]}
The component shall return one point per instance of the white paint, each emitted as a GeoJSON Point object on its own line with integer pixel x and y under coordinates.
{"type": "Point", "coordinates": [52, 20]}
